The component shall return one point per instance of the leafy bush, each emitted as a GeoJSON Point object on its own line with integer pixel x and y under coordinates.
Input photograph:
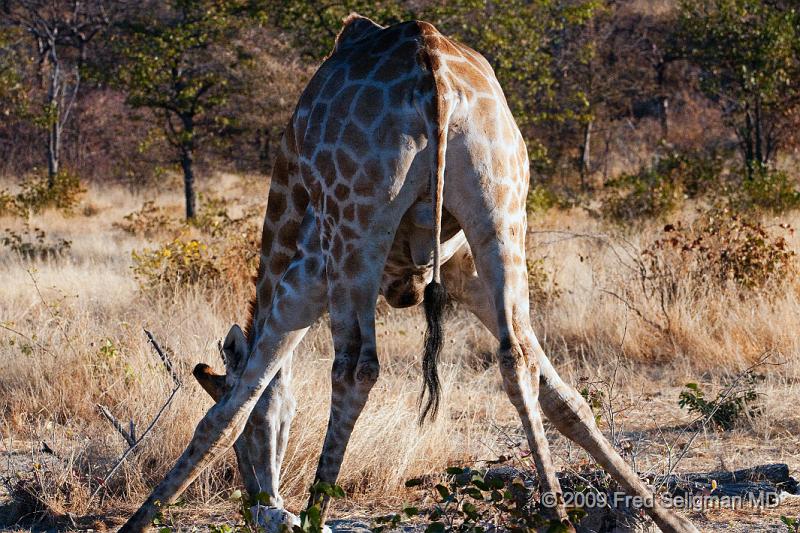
{"type": "Point", "coordinates": [541, 289]}
{"type": "Point", "coordinates": [8, 204]}
{"type": "Point", "coordinates": [32, 243]}
{"type": "Point", "coordinates": [147, 221]}
{"type": "Point", "coordinates": [659, 190]}
{"type": "Point", "coordinates": [728, 408]}
{"type": "Point", "coordinates": [767, 189]}
{"type": "Point", "coordinates": [541, 199]}
{"type": "Point", "coordinates": [227, 253]}
{"type": "Point", "coordinates": [642, 195]}
{"type": "Point", "coordinates": [175, 264]}
{"type": "Point", "coordinates": [792, 523]}
{"type": "Point", "coordinates": [38, 194]}
{"type": "Point", "coordinates": [471, 501]}
{"type": "Point", "coordinates": [212, 217]}
{"type": "Point", "coordinates": [718, 249]}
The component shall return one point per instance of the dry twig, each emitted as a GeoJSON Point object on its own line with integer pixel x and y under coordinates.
{"type": "Point", "coordinates": [133, 443]}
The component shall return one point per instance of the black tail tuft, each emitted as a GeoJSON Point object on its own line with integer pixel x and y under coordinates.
{"type": "Point", "coordinates": [435, 299]}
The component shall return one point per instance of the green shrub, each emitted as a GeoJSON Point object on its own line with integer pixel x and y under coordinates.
{"type": "Point", "coordinates": [33, 244]}
{"type": "Point", "coordinates": [727, 409]}
{"type": "Point", "coordinates": [8, 204]}
{"type": "Point", "coordinates": [541, 288]}
{"type": "Point", "coordinates": [792, 523]}
{"type": "Point", "coordinates": [471, 502]}
{"type": "Point", "coordinates": [228, 253]}
{"type": "Point", "coordinates": [767, 189]}
{"type": "Point", "coordinates": [212, 216]}
{"type": "Point", "coordinates": [147, 221]}
{"type": "Point", "coordinates": [540, 199]}
{"type": "Point", "coordinates": [658, 190]}
{"type": "Point", "coordinates": [175, 264]}
{"type": "Point", "coordinates": [38, 194]}
{"type": "Point", "coordinates": [718, 249]}
{"type": "Point", "coordinates": [645, 194]}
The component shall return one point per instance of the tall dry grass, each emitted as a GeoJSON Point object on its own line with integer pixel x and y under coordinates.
{"type": "Point", "coordinates": [71, 338]}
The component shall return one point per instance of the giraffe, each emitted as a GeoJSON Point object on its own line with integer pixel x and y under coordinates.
{"type": "Point", "coordinates": [360, 204]}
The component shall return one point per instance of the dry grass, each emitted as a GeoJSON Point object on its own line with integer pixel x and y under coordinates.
{"type": "Point", "coordinates": [72, 338]}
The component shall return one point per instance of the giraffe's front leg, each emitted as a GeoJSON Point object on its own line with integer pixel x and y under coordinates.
{"type": "Point", "coordinates": [296, 306]}
{"type": "Point", "coordinates": [261, 446]}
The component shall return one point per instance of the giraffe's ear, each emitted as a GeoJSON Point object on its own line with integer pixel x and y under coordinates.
{"type": "Point", "coordinates": [234, 349]}
{"type": "Point", "coordinates": [212, 383]}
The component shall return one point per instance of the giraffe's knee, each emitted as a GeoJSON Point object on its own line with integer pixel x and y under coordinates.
{"type": "Point", "coordinates": [341, 369]}
{"type": "Point", "coordinates": [510, 356]}
{"type": "Point", "coordinates": [566, 409]}
{"type": "Point", "coordinates": [367, 370]}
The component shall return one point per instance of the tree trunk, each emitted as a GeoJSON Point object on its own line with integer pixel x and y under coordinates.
{"type": "Point", "coordinates": [586, 151]}
{"type": "Point", "coordinates": [748, 143]}
{"type": "Point", "coordinates": [186, 146]}
{"type": "Point", "coordinates": [187, 163]}
{"type": "Point", "coordinates": [263, 139]}
{"type": "Point", "coordinates": [53, 141]}
{"type": "Point", "coordinates": [663, 112]}
{"type": "Point", "coordinates": [759, 148]}
{"type": "Point", "coordinates": [54, 113]}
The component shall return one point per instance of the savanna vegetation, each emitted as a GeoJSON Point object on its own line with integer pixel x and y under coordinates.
{"type": "Point", "coordinates": [136, 143]}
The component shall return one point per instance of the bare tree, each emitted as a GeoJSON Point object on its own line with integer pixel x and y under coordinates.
{"type": "Point", "coordinates": [61, 31]}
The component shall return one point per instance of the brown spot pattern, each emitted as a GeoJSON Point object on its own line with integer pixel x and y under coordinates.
{"type": "Point", "coordinates": [276, 205]}
{"type": "Point", "coordinates": [347, 167]}
{"type": "Point", "coordinates": [352, 265]}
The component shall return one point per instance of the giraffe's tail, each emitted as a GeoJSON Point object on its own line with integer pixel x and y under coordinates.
{"type": "Point", "coordinates": [435, 294]}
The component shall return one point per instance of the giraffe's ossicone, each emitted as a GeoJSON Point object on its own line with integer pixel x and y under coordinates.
{"type": "Point", "coordinates": [401, 173]}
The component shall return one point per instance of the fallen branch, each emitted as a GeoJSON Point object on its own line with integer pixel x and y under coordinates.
{"type": "Point", "coordinates": [134, 442]}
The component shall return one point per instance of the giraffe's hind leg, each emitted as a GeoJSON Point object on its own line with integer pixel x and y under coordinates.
{"type": "Point", "coordinates": [564, 406]}
{"type": "Point", "coordinates": [504, 281]}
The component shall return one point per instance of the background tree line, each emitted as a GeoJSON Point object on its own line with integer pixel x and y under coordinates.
{"type": "Point", "coordinates": [116, 90]}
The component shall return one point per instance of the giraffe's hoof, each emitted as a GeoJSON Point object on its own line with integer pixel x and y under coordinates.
{"type": "Point", "coordinates": [272, 519]}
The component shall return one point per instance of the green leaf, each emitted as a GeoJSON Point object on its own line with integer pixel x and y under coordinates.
{"type": "Point", "coordinates": [435, 527]}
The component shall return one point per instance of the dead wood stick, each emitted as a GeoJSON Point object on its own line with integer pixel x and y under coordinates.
{"type": "Point", "coordinates": [164, 358]}
{"type": "Point", "coordinates": [129, 437]}
{"type": "Point", "coordinates": [177, 385]}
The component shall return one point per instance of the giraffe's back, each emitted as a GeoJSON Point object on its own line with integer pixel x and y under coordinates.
{"type": "Point", "coordinates": [362, 133]}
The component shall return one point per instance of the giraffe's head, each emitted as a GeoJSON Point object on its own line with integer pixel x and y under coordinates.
{"type": "Point", "coordinates": [234, 355]}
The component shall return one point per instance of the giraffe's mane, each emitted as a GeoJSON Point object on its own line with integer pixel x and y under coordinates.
{"type": "Point", "coordinates": [251, 317]}
{"type": "Point", "coordinates": [252, 307]}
